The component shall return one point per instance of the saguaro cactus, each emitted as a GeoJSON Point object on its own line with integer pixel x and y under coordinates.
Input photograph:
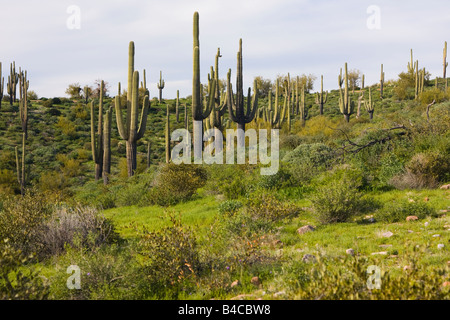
{"type": "Point", "coordinates": [160, 85]}
{"type": "Point", "coordinates": [131, 130]}
{"type": "Point", "coordinates": [381, 82]}
{"type": "Point", "coordinates": [346, 105]}
{"type": "Point", "coordinates": [167, 135]}
{"type": "Point", "coordinates": [445, 64]}
{"type": "Point", "coordinates": [220, 101]}
{"type": "Point", "coordinates": [2, 84]}
{"type": "Point", "coordinates": [13, 78]}
{"type": "Point", "coordinates": [21, 168]}
{"type": "Point", "coordinates": [320, 100]}
{"type": "Point", "coordinates": [236, 107]}
{"type": "Point", "coordinates": [303, 111]}
{"type": "Point", "coordinates": [369, 105]}
{"type": "Point", "coordinates": [107, 146]}
{"type": "Point", "coordinates": [177, 105]}
{"type": "Point", "coordinates": [23, 102]}
{"type": "Point", "coordinates": [199, 112]}
{"type": "Point", "coordinates": [97, 142]}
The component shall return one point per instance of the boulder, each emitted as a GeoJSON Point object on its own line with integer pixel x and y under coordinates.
{"type": "Point", "coordinates": [350, 252]}
{"type": "Point", "coordinates": [255, 281]}
{"type": "Point", "coordinates": [305, 229]}
{"type": "Point", "coordinates": [412, 218]}
{"type": "Point", "coordinates": [445, 187]}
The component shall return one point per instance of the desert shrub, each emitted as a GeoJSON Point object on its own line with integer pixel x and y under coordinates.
{"type": "Point", "coordinates": [264, 205]}
{"type": "Point", "coordinates": [21, 221]}
{"type": "Point", "coordinates": [282, 178]}
{"type": "Point", "coordinates": [230, 207]}
{"type": "Point", "coordinates": [8, 182]}
{"type": "Point", "coordinates": [176, 183]}
{"type": "Point", "coordinates": [424, 170]}
{"type": "Point", "coordinates": [233, 181]}
{"type": "Point", "coordinates": [290, 141]}
{"type": "Point", "coordinates": [337, 197]}
{"type": "Point", "coordinates": [106, 272]}
{"type": "Point", "coordinates": [347, 279]}
{"type": "Point", "coordinates": [77, 227]}
{"type": "Point", "coordinates": [49, 104]}
{"type": "Point", "coordinates": [390, 166]}
{"type": "Point", "coordinates": [431, 94]}
{"type": "Point", "coordinates": [170, 258]}
{"type": "Point", "coordinates": [133, 191]}
{"type": "Point", "coordinates": [307, 160]}
{"type": "Point", "coordinates": [19, 281]}
{"type": "Point", "coordinates": [397, 211]}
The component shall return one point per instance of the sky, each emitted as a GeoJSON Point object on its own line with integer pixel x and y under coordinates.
{"type": "Point", "coordinates": [61, 42]}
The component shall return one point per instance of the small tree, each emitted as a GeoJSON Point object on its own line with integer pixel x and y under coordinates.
{"type": "Point", "coordinates": [74, 91]}
{"type": "Point", "coordinates": [354, 77]}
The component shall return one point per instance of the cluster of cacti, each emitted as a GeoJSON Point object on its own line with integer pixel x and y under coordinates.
{"type": "Point", "coordinates": [199, 111]}
{"type": "Point", "coordinates": [220, 100]}
{"type": "Point", "coordinates": [320, 99]}
{"type": "Point", "coordinates": [101, 142]}
{"type": "Point", "coordinates": [419, 80]}
{"type": "Point", "coordinates": [236, 107]}
{"type": "Point", "coordinates": [346, 105]}
{"type": "Point", "coordinates": [131, 129]}
{"type": "Point", "coordinates": [160, 86]}
{"type": "Point", "coordinates": [13, 78]}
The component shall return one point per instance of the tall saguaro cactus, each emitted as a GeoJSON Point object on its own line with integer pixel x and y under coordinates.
{"type": "Point", "coordinates": [381, 82]}
{"type": "Point", "coordinates": [160, 85]}
{"type": "Point", "coordinates": [13, 78]}
{"type": "Point", "coordinates": [346, 105]}
{"type": "Point", "coordinates": [131, 129]}
{"type": "Point", "coordinates": [167, 135]}
{"type": "Point", "coordinates": [236, 106]}
{"type": "Point", "coordinates": [20, 168]}
{"type": "Point", "coordinates": [445, 64]}
{"type": "Point", "coordinates": [320, 99]}
{"type": "Point", "coordinates": [199, 111]}
{"type": "Point", "coordinates": [97, 142]}
{"type": "Point", "coordinates": [369, 105]}
{"type": "Point", "coordinates": [2, 84]}
{"type": "Point", "coordinates": [107, 146]}
{"type": "Point", "coordinates": [23, 102]}
{"type": "Point", "coordinates": [220, 101]}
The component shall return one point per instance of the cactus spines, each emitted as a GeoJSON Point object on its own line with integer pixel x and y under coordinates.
{"type": "Point", "coordinates": [236, 106]}
{"type": "Point", "coordinates": [320, 99]}
{"type": "Point", "coordinates": [20, 168]}
{"type": "Point", "coordinates": [369, 105]}
{"type": "Point", "coordinates": [23, 102]}
{"type": "Point", "coordinates": [131, 130]}
{"type": "Point", "coordinates": [160, 85]}
{"type": "Point", "coordinates": [346, 105]}
{"type": "Point", "coordinates": [107, 146]}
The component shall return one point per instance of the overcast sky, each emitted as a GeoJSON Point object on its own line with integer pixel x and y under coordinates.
{"type": "Point", "coordinates": [296, 36]}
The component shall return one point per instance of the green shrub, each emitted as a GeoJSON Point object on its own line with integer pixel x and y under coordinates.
{"type": "Point", "coordinates": [233, 181]}
{"type": "Point", "coordinates": [337, 198]}
{"type": "Point", "coordinates": [397, 211]}
{"type": "Point", "coordinates": [19, 280]}
{"type": "Point", "coordinates": [170, 258]}
{"type": "Point", "coordinates": [264, 205]}
{"type": "Point", "coordinates": [176, 183]}
{"type": "Point", "coordinates": [230, 207]}
{"type": "Point", "coordinates": [21, 221]}
{"type": "Point", "coordinates": [106, 273]}
{"type": "Point", "coordinates": [276, 181]}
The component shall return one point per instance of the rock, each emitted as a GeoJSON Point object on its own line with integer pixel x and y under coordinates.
{"type": "Point", "coordinates": [445, 187]}
{"type": "Point", "coordinates": [426, 224]}
{"type": "Point", "coordinates": [308, 258]}
{"type": "Point", "coordinates": [379, 253]}
{"type": "Point", "coordinates": [305, 229]}
{"type": "Point", "coordinates": [411, 200]}
{"type": "Point", "coordinates": [405, 268]}
{"type": "Point", "coordinates": [426, 199]}
{"type": "Point", "coordinates": [436, 235]}
{"type": "Point", "coordinates": [350, 252]}
{"type": "Point", "coordinates": [412, 218]}
{"type": "Point", "coordinates": [447, 226]}
{"type": "Point", "coordinates": [446, 284]}
{"type": "Point", "coordinates": [387, 234]}
{"type": "Point", "coordinates": [410, 231]}
{"type": "Point", "coordinates": [385, 245]}
{"type": "Point", "coordinates": [443, 211]}
{"type": "Point", "coordinates": [441, 246]}
{"type": "Point", "coordinates": [235, 283]}
{"type": "Point", "coordinates": [280, 293]}
{"type": "Point", "coordinates": [255, 281]}
{"type": "Point", "coordinates": [370, 219]}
